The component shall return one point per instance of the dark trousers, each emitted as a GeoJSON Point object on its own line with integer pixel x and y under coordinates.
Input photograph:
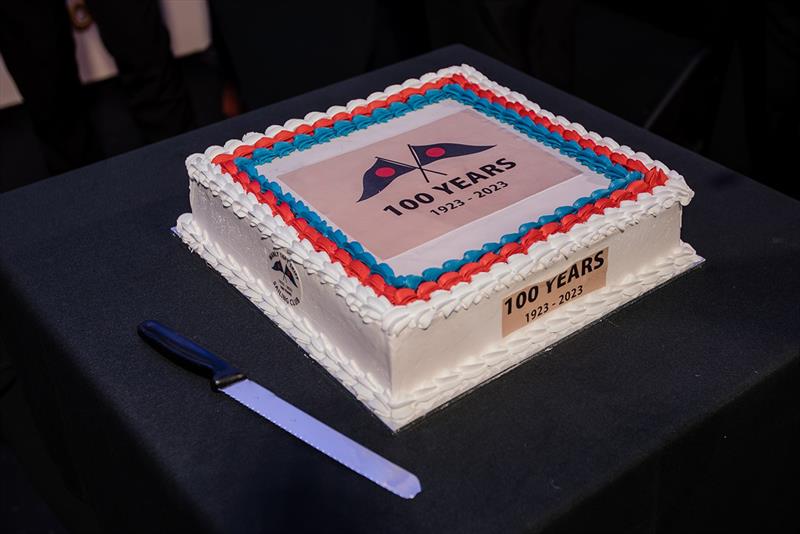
{"type": "Point", "coordinates": [37, 46]}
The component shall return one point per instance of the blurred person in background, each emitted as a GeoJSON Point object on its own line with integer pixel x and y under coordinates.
{"type": "Point", "coordinates": [37, 45]}
{"type": "Point", "coordinates": [282, 49]}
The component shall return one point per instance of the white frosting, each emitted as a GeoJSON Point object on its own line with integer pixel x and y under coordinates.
{"type": "Point", "coordinates": [368, 388]}
{"type": "Point", "coordinates": [398, 408]}
{"type": "Point", "coordinates": [404, 361]}
{"type": "Point", "coordinates": [515, 349]}
{"type": "Point", "coordinates": [419, 314]}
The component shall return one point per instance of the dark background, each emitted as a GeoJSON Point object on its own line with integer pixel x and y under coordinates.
{"type": "Point", "coordinates": [720, 80]}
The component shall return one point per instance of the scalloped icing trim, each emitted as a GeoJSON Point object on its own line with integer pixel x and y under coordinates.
{"type": "Point", "coordinates": [547, 245]}
{"type": "Point", "coordinates": [446, 386]}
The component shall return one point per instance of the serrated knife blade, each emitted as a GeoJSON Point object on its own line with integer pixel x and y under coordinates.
{"type": "Point", "coordinates": [229, 380]}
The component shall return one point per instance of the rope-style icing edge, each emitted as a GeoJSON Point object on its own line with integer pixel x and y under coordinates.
{"type": "Point", "coordinates": [398, 412]}
{"type": "Point", "coordinates": [455, 294]}
{"type": "Point", "coordinates": [363, 385]}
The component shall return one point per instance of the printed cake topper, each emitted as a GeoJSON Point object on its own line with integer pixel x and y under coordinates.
{"type": "Point", "coordinates": [404, 192]}
{"type": "Point", "coordinates": [384, 171]}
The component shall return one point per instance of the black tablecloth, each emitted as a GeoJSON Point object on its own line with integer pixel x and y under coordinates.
{"type": "Point", "coordinates": [632, 422]}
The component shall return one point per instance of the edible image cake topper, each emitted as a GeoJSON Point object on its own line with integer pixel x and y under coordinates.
{"type": "Point", "coordinates": [403, 191]}
{"type": "Point", "coordinates": [384, 171]}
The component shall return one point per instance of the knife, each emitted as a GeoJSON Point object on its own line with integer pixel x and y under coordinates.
{"type": "Point", "coordinates": [229, 380]}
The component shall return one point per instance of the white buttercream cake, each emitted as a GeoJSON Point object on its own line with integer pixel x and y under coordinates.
{"type": "Point", "coordinates": [422, 241]}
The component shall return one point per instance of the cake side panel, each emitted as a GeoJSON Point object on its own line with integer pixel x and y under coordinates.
{"type": "Point", "coordinates": [356, 353]}
{"type": "Point", "coordinates": [448, 356]}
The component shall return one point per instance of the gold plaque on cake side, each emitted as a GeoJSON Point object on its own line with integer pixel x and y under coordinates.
{"type": "Point", "coordinates": [531, 303]}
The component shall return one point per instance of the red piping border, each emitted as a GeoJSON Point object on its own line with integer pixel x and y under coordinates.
{"type": "Point", "coordinates": [399, 296]}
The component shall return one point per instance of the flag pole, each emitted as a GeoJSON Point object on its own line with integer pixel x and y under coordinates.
{"type": "Point", "coordinates": [410, 166]}
{"type": "Point", "coordinates": [419, 165]}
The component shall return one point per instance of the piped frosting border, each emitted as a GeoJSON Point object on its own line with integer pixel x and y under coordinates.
{"type": "Point", "coordinates": [397, 412]}
{"type": "Point", "coordinates": [619, 176]}
{"type": "Point", "coordinates": [397, 308]}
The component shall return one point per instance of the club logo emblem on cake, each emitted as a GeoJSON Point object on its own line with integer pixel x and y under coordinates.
{"type": "Point", "coordinates": [285, 280]}
{"type": "Point", "coordinates": [384, 171]}
{"type": "Point", "coordinates": [409, 187]}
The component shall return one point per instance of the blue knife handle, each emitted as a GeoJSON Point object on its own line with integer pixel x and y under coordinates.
{"type": "Point", "coordinates": [189, 354]}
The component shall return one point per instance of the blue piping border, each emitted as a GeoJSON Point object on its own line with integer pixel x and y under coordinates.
{"type": "Point", "coordinates": [617, 174]}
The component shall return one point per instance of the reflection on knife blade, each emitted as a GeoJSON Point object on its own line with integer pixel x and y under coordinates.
{"type": "Point", "coordinates": [233, 383]}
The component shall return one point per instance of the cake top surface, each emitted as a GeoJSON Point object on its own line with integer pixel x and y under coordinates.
{"type": "Point", "coordinates": [433, 191]}
{"type": "Point", "coordinates": [426, 187]}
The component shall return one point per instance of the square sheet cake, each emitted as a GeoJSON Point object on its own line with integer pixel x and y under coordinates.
{"type": "Point", "coordinates": [434, 235]}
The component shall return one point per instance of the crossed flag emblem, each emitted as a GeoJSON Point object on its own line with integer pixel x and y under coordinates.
{"type": "Point", "coordinates": [285, 271]}
{"type": "Point", "coordinates": [384, 171]}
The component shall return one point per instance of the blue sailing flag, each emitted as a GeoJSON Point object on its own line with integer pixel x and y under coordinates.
{"type": "Point", "coordinates": [426, 154]}
{"type": "Point", "coordinates": [381, 174]}
{"type": "Point", "coordinates": [384, 171]}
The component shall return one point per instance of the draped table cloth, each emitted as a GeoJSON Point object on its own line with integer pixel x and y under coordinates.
{"type": "Point", "coordinates": [652, 418]}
